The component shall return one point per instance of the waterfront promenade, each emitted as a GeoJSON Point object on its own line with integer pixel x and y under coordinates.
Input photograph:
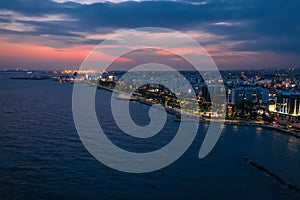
{"type": "Point", "coordinates": [202, 119]}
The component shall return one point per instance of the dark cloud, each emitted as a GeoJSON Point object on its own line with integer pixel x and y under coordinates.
{"type": "Point", "coordinates": [262, 25]}
{"type": "Point", "coordinates": [32, 7]}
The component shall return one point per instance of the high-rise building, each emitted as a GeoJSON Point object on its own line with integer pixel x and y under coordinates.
{"type": "Point", "coordinates": [288, 103]}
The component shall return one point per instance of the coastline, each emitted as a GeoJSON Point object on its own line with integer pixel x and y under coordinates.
{"type": "Point", "coordinates": [206, 120]}
{"type": "Point", "coordinates": [261, 125]}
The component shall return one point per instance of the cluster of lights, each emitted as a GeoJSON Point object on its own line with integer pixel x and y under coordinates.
{"type": "Point", "coordinates": [70, 71]}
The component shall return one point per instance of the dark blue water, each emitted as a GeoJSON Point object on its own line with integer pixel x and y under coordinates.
{"type": "Point", "coordinates": [42, 157]}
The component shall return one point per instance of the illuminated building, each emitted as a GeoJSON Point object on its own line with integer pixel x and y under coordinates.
{"type": "Point", "coordinates": [288, 103]}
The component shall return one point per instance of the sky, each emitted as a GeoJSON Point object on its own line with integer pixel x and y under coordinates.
{"type": "Point", "coordinates": [237, 34]}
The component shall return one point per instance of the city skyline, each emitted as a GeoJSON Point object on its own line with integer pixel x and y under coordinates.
{"type": "Point", "coordinates": [149, 99]}
{"type": "Point", "coordinates": [60, 34]}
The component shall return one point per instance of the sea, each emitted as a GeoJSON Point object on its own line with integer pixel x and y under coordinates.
{"type": "Point", "coordinates": [42, 156]}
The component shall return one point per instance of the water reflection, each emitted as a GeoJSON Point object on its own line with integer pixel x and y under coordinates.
{"type": "Point", "coordinates": [293, 144]}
